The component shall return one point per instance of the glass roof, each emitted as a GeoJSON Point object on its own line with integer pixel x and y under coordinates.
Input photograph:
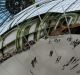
{"type": "Point", "coordinates": [4, 13]}
{"type": "Point", "coordinates": [59, 6]}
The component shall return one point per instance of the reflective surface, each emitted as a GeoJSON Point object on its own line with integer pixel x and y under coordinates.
{"type": "Point", "coordinates": [59, 56]}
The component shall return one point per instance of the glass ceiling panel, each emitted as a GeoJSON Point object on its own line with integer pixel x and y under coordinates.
{"type": "Point", "coordinates": [55, 6]}
{"type": "Point", "coordinates": [4, 14]}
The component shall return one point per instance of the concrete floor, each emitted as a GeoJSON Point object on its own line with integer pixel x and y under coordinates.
{"type": "Point", "coordinates": [55, 57]}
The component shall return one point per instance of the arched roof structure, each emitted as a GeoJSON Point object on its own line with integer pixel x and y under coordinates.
{"type": "Point", "coordinates": [55, 6]}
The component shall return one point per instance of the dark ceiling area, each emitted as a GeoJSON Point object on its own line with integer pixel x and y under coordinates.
{"type": "Point", "coordinates": [15, 6]}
